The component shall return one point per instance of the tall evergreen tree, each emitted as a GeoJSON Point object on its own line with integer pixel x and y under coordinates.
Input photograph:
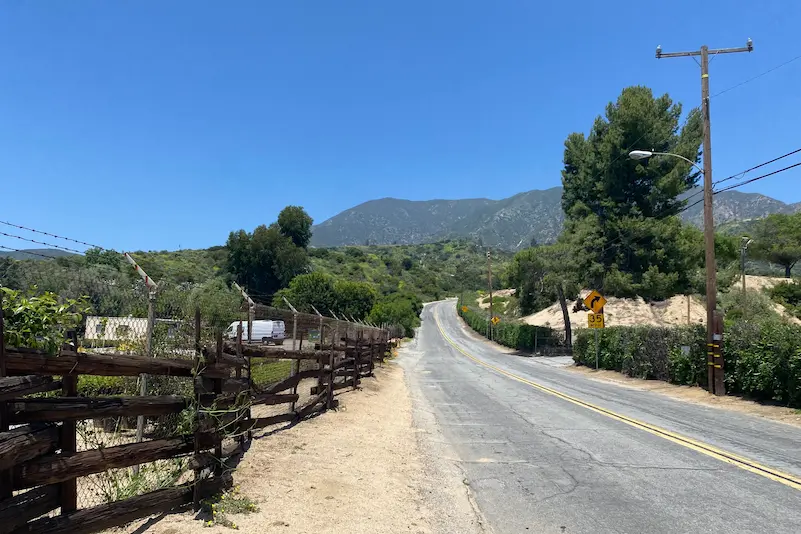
{"type": "Point", "coordinates": [621, 214]}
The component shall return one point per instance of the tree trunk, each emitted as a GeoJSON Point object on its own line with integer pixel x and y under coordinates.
{"type": "Point", "coordinates": [566, 316]}
{"type": "Point", "coordinates": [788, 271]}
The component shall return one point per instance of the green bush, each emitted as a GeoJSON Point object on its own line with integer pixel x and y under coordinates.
{"type": "Point", "coordinates": [513, 335]}
{"type": "Point", "coordinates": [104, 386]}
{"type": "Point", "coordinates": [39, 320]}
{"type": "Point", "coordinates": [268, 372]}
{"type": "Point", "coordinates": [788, 294]}
{"type": "Point", "coordinates": [762, 360]}
{"type": "Point", "coordinates": [749, 306]}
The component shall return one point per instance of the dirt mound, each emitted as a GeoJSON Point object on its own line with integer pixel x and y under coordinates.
{"type": "Point", "coordinates": [626, 312]}
{"type": "Point", "coordinates": [498, 293]}
{"type": "Point", "coordinates": [761, 283]}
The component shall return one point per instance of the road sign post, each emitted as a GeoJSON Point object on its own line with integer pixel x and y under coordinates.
{"type": "Point", "coordinates": [595, 319]}
{"type": "Point", "coordinates": [595, 301]}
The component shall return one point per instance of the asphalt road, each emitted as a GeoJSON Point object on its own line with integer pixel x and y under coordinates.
{"type": "Point", "coordinates": [543, 449]}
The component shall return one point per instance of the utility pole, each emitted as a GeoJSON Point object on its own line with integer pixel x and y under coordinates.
{"type": "Point", "coordinates": [745, 241]}
{"type": "Point", "coordinates": [714, 358]}
{"type": "Point", "coordinates": [489, 281]}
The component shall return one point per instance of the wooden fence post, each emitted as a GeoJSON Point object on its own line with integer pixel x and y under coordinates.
{"type": "Point", "coordinates": [295, 364]}
{"type": "Point", "coordinates": [357, 360]}
{"type": "Point", "coordinates": [331, 362]}
{"type": "Point", "coordinates": [5, 476]}
{"type": "Point", "coordinates": [69, 439]}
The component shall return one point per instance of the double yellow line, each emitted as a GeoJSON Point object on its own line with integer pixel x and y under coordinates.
{"type": "Point", "coordinates": [704, 448]}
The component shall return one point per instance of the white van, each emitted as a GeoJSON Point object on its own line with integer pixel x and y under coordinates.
{"type": "Point", "coordinates": [264, 331]}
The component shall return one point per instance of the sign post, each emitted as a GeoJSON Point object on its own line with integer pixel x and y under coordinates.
{"type": "Point", "coordinates": [595, 319]}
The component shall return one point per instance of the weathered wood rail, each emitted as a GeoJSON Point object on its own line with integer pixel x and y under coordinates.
{"type": "Point", "coordinates": [39, 457]}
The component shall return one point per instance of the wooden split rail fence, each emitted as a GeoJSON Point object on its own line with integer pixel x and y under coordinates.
{"type": "Point", "coordinates": [41, 464]}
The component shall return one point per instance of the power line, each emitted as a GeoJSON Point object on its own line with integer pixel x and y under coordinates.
{"type": "Point", "coordinates": [757, 76]}
{"type": "Point", "coordinates": [743, 173]}
{"type": "Point", "coordinates": [78, 241]}
{"type": "Point", "coordinates": [757, 178]}
{"type": "Point", "coordinates": [42, 243]}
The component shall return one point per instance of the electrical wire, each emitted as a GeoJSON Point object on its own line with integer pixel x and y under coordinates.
{"type": "Point", "coordinates": [743, 173]}
{"type": "Point", "coordinates": [777, 67]}
{"type": "Point", "coordinates": [757, 178]}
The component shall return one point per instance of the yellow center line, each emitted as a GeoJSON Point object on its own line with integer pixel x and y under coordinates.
{"type": "Point", "coordinates": [704, 448]}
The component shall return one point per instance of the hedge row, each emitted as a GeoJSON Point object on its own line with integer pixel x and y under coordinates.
{"type": "Point", "coordinates": [761, 361]}
{"type": "Point", "coordinates": [514, 335]}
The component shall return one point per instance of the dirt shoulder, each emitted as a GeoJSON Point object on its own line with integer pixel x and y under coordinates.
{"type": "Point", "coordinates": [357, 469]}
{"type": "Point", "coordinates": [694, 394]}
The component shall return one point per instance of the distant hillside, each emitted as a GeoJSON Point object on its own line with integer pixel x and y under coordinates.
{"type": "Point", "coordinates": [734, 206]}
{"type": "Point", "coordinates": [34, 254]}
{"type": "Point", "coordinates": [511, 223]}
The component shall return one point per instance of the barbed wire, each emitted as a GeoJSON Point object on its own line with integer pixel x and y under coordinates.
{"type": "Point", "coordinates": [27, 252]}
{"type": "Point", "coordinates": [77, 241]}
{"type": "Point", "coordinates": [51, 245]}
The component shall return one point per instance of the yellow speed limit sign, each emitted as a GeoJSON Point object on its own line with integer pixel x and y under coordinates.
{"type": "Point", "coordinates": [595, 320]}
{"type": "Point", "coordinates": [496, 320]}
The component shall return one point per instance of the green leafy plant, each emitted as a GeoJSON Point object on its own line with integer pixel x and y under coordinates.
{"type": "Point", "coordinates": [515, 335]}
{"type": "Point", "coordinates": [217, 510]}
{"type": "Point", "coordinates": [762, 360]}
{"type": "Point", "coordinates": [39, 321]}
{"type": "Point", "coordinates": [788, 294]}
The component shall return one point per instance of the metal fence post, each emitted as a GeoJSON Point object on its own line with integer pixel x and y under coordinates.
{"type": "Point", "coordinates": [151, 320]}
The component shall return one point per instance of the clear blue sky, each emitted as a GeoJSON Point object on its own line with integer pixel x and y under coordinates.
{"type": "Point", "coordinates": [149, 124]}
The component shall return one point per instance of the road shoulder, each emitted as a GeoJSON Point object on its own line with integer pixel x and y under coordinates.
{"type": "Point", "coordinates": [691, 394]}
{"type": "Point", "coordinates": [358, 469]}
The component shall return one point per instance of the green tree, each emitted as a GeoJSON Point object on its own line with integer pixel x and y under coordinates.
{"type": "Point", "coordinates": [354, 298]}
{"type": "Point", "coordinates": [526, 274]}
{"type": "Point", "coordinates": [296, 224]}
{"type": "Point", "coordinates": [267, 259]}
{"type": "Point", "coordinates": [777, 239]}
{"type": "Point", "coordinates": [398, 309]}
{"type": "Point", "coordinates": [219, 304]}
{"type": "Point", "coordinates": [307, 290]}
{"type": "Point", "coordinates": [620, 213]}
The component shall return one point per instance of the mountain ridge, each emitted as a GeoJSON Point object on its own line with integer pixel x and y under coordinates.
{"type": "Point", "coordinates": [510, 223]}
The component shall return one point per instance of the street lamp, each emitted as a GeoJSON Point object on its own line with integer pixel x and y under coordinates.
{"type": "Point", "coordinates": [714, 327]}
{"type": "Point", "coordinates": [744, 242]}
{"type": "Point", "coordinates": [642, 154]}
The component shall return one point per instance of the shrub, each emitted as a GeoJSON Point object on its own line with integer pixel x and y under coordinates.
{"type": "Point", "coordinates": [788, 294]}
{"type": "Point", "coordinates": [96, 386]}
{"type": "Point", "coordinates": [749, 306]}
{"type": "Point", "coordinates": [762, 360]}
{"type": "Point", "coordinates": [39, 321]}
{"type": "Point", "coordinates": [513, 335]}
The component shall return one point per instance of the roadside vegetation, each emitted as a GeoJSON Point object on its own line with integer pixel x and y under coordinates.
{"type": "Point", "coordinates": [382, 284]}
